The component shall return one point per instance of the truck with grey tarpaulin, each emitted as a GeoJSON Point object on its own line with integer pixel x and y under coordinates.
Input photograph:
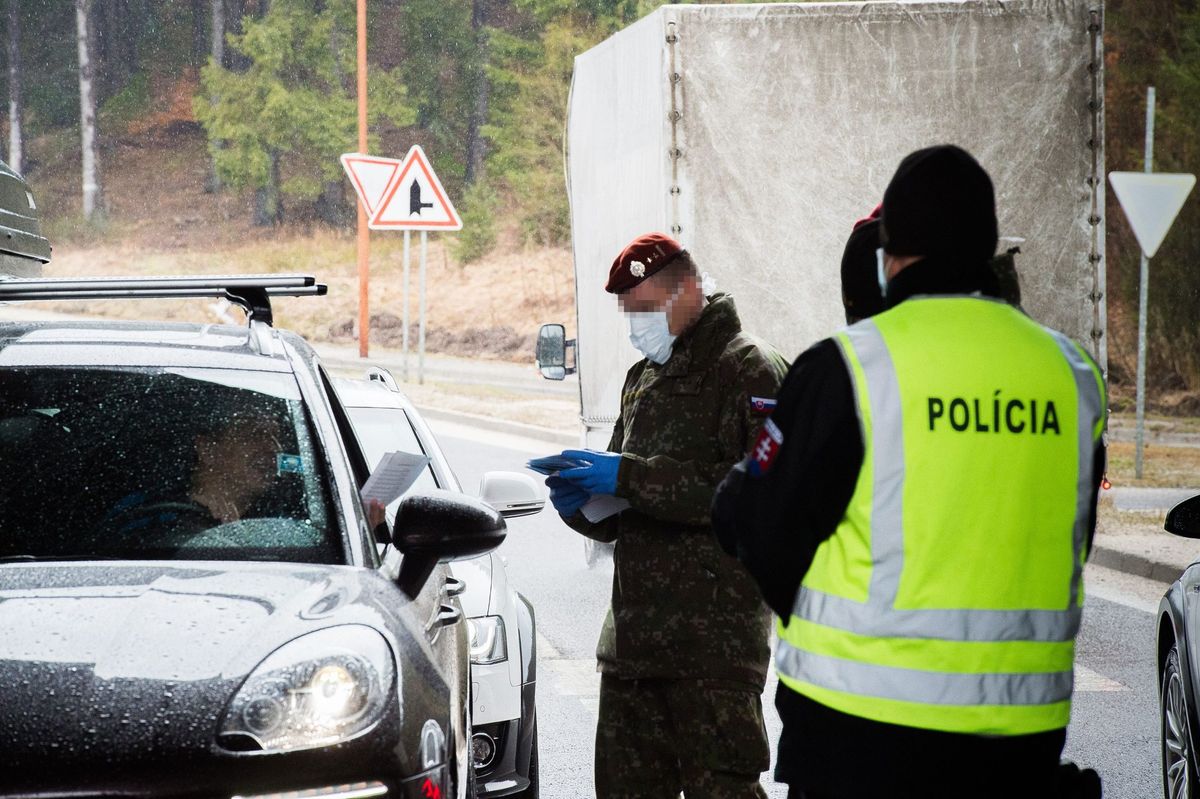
{"type": "Point", "coordinates": [757, 134]}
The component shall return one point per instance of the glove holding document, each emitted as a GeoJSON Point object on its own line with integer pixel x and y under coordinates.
{"type": "Point", "coordinates": [553, 464]}
{"type": "Point", "coordinates": [601, 505]}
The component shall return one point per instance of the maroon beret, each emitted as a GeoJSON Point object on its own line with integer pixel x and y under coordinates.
{"type": "Point", "coordinates": [871, 217]}
{"type": "Point", "coordinates": [644, 256]}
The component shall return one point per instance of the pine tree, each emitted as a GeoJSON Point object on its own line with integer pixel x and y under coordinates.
{"type": "Point", "coordinates": [285, 119]}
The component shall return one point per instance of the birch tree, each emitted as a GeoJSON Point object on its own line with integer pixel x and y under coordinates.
{"type": "Point", "coordinates": [93, 195]}
{"type": "Point", "coordinates": [15, 109]}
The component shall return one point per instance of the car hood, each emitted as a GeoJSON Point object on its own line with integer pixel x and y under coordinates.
{"type": "Point", "coordinates": [133, 656]}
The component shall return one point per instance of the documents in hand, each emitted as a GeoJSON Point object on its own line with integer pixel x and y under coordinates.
{"type": "Point", "coordinates": [596, 509]}
{"type": "Point", "coordinates": [601, 506]}
{"type": "Point", "coordinates": [552, 464]}
{"type": "Point", "coordinates": [394, 475]}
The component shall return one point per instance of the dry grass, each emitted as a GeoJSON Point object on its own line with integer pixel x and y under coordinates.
{"type": "Point", "coordinates": [517, 290]}
{"type": "Point", "coordinates": [1164, 466]}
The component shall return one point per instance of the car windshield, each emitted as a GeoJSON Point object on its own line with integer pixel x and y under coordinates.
{"type": "Point", "coordinates": [160, 464]}
{"type": "Point", "coordinates": [384, 430]}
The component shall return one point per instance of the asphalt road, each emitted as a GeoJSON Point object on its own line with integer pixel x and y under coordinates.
{"type": "Point", "coordinates": [1115, 723]}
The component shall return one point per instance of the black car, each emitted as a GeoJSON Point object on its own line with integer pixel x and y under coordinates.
{"type": "Point", "coordinates": [192, 600]}
{"type": "Point", "coordinates": [1179, 665]}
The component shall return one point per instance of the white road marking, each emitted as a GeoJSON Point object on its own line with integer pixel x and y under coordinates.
{"type": "Point", "coordinates": [1124, 589]}
{"type": "Point", "coordinates": [546, 650]}
{"type": "Point", "coordinates": [573, 677]}
{"type": "Point", "coordinates": [1088, 680]}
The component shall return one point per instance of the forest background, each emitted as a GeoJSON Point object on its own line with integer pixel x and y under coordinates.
{"type": "Point", "coordinates": [206, 133]}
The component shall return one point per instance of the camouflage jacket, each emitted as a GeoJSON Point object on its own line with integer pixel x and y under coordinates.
{"type": "Point", "coordinates": [681, 607]}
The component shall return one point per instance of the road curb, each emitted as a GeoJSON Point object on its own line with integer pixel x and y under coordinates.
{"type": "Point", "coordinates": [1136, 565]}
{"type": "Point", "coordinates": [501, 426]}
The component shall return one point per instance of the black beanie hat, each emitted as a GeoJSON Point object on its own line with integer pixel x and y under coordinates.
{"type": "Point", "coordinates": [860, 280]}
{"type": "Point", "coordinates": [940, 203]}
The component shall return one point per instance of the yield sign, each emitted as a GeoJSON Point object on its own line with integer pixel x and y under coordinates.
{"type": "Point", "coordinates": [415, 199]}
{"type": "Point", "coordinates": [1151, 202]}
{"type": "Point", "coordinates": [370, 177]}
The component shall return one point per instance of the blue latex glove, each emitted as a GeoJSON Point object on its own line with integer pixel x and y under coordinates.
{"type": "Point", "coordinates": [599, 477]}
{"type": "Point", "coordinates": [566, 497]}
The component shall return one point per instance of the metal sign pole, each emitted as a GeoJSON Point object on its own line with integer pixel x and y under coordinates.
{"type": "Point", "coordinates": [364, 234]}
{"type": "Point", "coordinates": [421, 330]}
{"type": "Point", "coordinates": [407, 260]}
{"type": "Point", "coordinates": [1143, 295]}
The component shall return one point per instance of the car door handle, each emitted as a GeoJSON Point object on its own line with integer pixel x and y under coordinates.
{"type": "Point", "coordinates": [454, 586]}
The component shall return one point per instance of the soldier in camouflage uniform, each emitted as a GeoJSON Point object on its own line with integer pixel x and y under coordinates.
{"type": "Point", "coordinates": [684, 649]}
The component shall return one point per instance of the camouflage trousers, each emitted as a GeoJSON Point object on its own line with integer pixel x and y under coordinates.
{"type": "Point", "coordinates": [656, 738]}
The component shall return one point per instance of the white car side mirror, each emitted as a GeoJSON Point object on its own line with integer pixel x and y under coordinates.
{"type": "Point", "coordinates": [512, 494]}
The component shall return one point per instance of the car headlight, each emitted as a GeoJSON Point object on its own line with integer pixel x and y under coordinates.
{"type": "Point", "coordinates": [487, 640]}
{"type": "Point", "coordinates": [320, 689]}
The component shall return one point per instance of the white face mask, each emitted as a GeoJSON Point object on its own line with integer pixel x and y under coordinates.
{"type": "Point", "coordinates": [650, 332]}
{"type": "Point", "coordinates": [881, 273]}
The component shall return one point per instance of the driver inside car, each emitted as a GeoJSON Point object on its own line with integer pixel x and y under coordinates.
{"type": "Point", "coordinates": [236, 463]}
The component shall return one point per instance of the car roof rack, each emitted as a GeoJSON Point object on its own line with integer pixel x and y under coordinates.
{"type": "Point", "coordinates": [377, 374]}
{"type": "Point", "coordinates": [252, 292]}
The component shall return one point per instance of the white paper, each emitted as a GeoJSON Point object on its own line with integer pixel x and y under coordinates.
{"type": "Point", "coordinates": [394, 475]}
{"type": "Point", "coordinates": [601, 506]}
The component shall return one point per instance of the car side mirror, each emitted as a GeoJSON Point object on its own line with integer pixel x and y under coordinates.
{"type": "Point", "coordinates": [436, 526]}
{"type": "Point", "coordinates": [552, 349]}
{"type": "Point", "coordinates": [511, 493]}
{"type": "Point", "coordinates": [1184, 518]}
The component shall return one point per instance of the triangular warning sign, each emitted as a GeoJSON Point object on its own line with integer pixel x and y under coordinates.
{"type": "Point", "coordinates": [370, 176]}
{"type": "Point", "coordinates": [1151, 202]}
{"type": "Point", "coordinates": [415, 199]}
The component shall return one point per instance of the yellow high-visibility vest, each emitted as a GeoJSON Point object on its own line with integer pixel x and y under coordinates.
{"type": "Point", "coordinates": [951, 592]}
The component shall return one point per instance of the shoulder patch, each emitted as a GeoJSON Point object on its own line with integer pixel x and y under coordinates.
{"type": "Point", "coordinates": [762, 404]}
{"type": "Point", "coordinates": [769, 442]}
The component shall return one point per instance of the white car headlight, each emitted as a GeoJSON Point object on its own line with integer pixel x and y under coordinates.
{"type": "Point", "coordinates": [320, 689]}
{"type": "Point", "coordinates": [487, 640]}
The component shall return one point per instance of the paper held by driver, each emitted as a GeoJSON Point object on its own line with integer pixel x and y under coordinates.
{"type": "Point", "coordinates": [394, 475]}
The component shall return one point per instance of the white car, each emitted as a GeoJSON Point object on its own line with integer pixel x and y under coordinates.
{"type": "Point", "coordinates": [501, 621]}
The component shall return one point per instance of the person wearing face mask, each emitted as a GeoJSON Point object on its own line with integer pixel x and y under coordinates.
{"type": "Point", "coordinates": [684, 648]}
{"type": "Point", "coordinates": [917, 511]}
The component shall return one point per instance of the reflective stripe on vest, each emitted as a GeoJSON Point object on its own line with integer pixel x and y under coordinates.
{"type": "Point", "coordinates": [1036, 643]}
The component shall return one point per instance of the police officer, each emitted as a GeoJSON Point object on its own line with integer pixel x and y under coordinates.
{"type": "Point", "coordinates": [917, 511]}
{"type": "Point", "coordinates": [684, 648]}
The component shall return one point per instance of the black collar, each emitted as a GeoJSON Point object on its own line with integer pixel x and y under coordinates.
{"type": "Point", "coordinates": [940, 275]}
